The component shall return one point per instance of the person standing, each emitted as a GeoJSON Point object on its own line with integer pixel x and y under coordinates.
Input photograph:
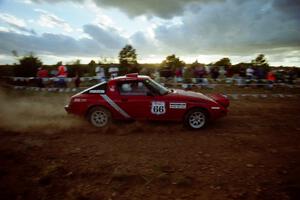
{"type": "Point", "coordinates": [100, 74]}
{"type": "Point", "coordinates": [271, 78]}
{"type": "Point", "coordinates": [178, 75]}
{"type": "Point", "coordinates": [249, 73]}
{"type": "Point", "coordinates": [77, 80]}
{"type": "Point", "coordinates": [41, 75]}
{"type": "Point", "coordinates": [62, 74]}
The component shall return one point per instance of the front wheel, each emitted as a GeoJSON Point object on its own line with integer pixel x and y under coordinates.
{"type": "Point", "coordinates": [99, 117]}
{"type": "Point", "coordinates": [196, 119]}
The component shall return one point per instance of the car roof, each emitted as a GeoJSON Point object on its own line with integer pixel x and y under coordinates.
{"type": "Point", "coordinates": [130, 77]}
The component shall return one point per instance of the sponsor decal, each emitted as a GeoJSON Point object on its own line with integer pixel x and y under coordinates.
{"type": "Point", "coordinates": [80, 100]}
{"type": "Point", "coordinates": [158, 107]}
{"type": "Point", "coordinates": [178, 105]}
{"type": "Point", "coordinates": [215, 108]}
{"type": "Point", "coordinates": [97, 91]}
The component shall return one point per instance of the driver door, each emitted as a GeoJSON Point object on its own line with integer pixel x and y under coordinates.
{"type": "Point", "coordinates": [134, 99]}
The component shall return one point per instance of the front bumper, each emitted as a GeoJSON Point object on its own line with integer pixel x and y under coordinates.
{"type": "Point", "coordinates": [218, 112]}
{"type": "Point", "coordinates": [67, 108]}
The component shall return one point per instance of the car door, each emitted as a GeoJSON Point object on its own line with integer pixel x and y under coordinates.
{"type": "Point", "coordinates": [134, 99]}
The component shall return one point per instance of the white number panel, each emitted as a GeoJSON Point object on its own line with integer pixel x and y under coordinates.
{"type": "Point", "coordinates": [158, 107]}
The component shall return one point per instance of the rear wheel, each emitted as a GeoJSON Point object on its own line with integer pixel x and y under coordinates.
{"type": "Point", "coordinates": [196, 119]}
{"type": "Point", "coordinates": [99, 117]}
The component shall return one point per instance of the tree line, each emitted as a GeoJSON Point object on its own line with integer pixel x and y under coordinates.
{"type": "Point", "coordinates": [28, 65]}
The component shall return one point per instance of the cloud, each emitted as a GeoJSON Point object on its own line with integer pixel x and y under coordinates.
{"type": "Point", "coordinates": [104, 21]}
{"type": "Point", "coordinates": [109, 37]}
{"type": "Point", "coordinates": [101, 42]}
{"type": "Point", "coordinates": [16, 23]}
{"type": "Point", "coordinates": [288, 7]}
{"type": "Point", "coordinates": [188, 28]}
{"type": "Point", "coordinates": [52, 21]}
{"type": "Point", "coordinates": [144, 44]}
{"type": "Point", "coordinates": [163, 9]}
{"type": "Point", "coordinates": [232, 28]}
{"type": "Point", "coordinates": [47, 43]}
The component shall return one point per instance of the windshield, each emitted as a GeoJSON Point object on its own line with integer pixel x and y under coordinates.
{"type": "Point", "coordinates": [157, 87]}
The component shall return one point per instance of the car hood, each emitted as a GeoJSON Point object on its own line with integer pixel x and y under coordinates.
{"type": "Point", "coordinates": [189, 95]}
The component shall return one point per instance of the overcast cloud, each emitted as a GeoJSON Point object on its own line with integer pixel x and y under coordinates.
{"type": "Point", "coordinates": [15, 23]}
{"type": "Point", "coordinates": [190, 28]}
{"type": "Point", "coordinates": [160, 8]}
{"type": "Point", "coordinates": [234, 28]}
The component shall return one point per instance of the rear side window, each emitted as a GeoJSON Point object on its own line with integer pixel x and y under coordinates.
{"type": "Point", "coordinates": [100, 89]}
{"type": "Point", "coordinates": [134, 88]}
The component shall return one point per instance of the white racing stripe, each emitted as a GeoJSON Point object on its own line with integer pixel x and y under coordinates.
{"type": "Point", "coordinates": [114, 105]}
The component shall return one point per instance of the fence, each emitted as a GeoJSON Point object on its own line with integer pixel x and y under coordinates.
{"type": "Point", "coordinates": [50, 83]}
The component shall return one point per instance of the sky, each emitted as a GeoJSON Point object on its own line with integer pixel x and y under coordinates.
{"type": "Point", "coordinates": [203, 30]}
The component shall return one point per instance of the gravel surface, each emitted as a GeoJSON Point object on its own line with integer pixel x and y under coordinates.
{"type": "Point", "coordinates": [253, 153]}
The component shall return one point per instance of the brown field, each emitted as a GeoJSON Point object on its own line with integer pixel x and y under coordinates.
{"type": "Point", "coordinates": [253, 153]}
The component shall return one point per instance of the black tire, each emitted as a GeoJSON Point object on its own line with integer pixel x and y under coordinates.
{"type": "Point", "coordinates": [99, 117]}
{"type": "Point", "coordinates": [196, 119]}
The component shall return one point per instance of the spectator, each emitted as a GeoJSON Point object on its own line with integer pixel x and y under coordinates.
{"type": "Point", "coordinates": [260, 73]}
{"type": "Point", "coordinates": [242, 75]}
{"type": "Point", "coordinates": [62, 74]}
{"type": "Point", "coordinates": [77, 80]}
{"type": "Point", "coordinates": [222, 72]}
{"type": "Point", "coordinates": [100, 75]}
{"type": "Point", "coordinates": [41, 74]}
{"type": "Point", "coordinates": [228, 74]}
{"type": "Point", "coordinates": [279, 75]}
{"type": "Point", "coordinates": [291, 75]}
{"type": "Point", "coordinates": [113, 71]}
{"type": "Point", "coordinates": [199, 73]}
{"type": "Point", "coordinates": [214, 73]}
{"type": "Point", "coordinates": [271, 78]}
{"type": "Point", "coordinates": [178, 74]}
{"type": "Point", "coordinates": [249, 73]}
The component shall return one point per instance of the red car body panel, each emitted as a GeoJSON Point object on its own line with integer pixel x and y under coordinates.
{"type": "Point", "coordinates": [171, 106]}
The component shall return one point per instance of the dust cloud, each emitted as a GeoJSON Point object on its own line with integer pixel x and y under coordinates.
{"type": "Point", "coordinates": [36, 112]}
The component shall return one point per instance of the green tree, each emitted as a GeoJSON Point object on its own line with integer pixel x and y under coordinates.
{"type": "Point", "coordinates": [128, 60]}
{"type": "Point", "coordinates": [172, 63]}
{"type": "Point", "coordinates": [225, 62]}
{"type": "Point", "coordinates": [196, 64]}
{"type": "Point", "coordinates": [28, 66]}
{"type": "Point", "coordinates": [188, 74]}
{"type": "Point", "coordinates": [74, 67]}
{"type": "Point", "coordinates": [260, 61]}
{"type": "Point", "coordinates": [59, 63]}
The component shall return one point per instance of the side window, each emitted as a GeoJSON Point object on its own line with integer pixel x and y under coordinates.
{"type": "Point", "coordinates": [134, 88]}
{"type": "Point", "coordinates": [100, 89]}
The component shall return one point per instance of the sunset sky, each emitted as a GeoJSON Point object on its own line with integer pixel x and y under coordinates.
{"type": "Point", "coordinates": [206, 30]}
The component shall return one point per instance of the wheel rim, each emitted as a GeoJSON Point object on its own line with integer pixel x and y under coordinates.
{"type": "Point", "coordinates": [197, 120]}
{"type": "Point", "coordinates": [99, 118]}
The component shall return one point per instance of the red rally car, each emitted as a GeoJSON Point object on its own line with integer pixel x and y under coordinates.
{"type": "Point", "coordinates": [137, 97]}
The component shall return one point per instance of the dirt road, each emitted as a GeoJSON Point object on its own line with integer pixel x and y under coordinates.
{"type": "Point", "coordinates": [253, 153]}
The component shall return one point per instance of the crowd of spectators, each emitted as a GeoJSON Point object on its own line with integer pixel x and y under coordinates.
{"type": "Point", "coordinates": [241, 76]}
{"type": "Point", "coordinates": [201, 74]}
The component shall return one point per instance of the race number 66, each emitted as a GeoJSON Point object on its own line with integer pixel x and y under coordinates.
{"type": "Point", "coordinates": [158, 107]}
